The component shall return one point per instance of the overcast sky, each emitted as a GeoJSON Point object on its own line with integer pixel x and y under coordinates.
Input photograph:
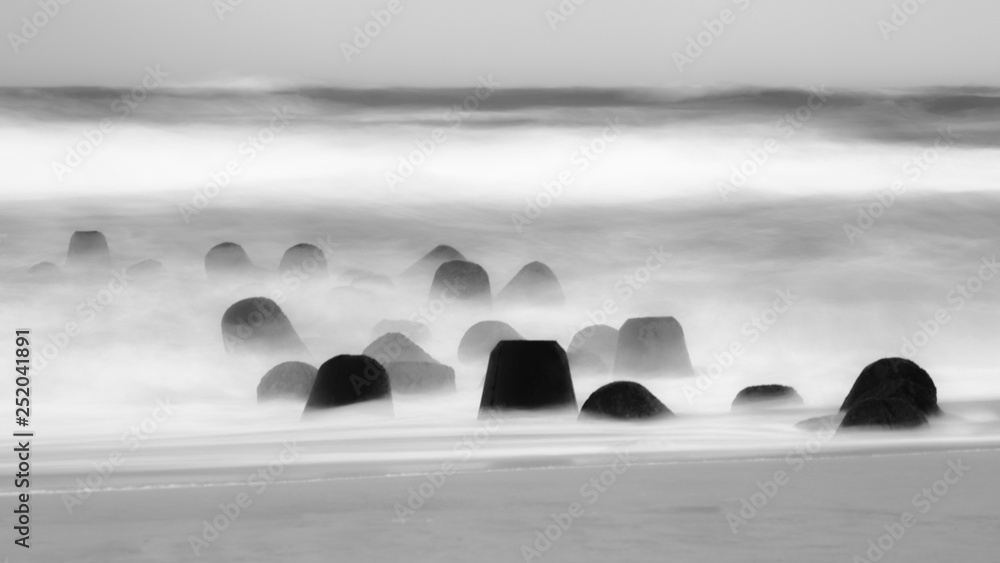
{"type": "Point", "coordinates": [605, 43]}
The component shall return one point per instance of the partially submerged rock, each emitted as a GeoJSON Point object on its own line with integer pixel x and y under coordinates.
{"type": "Point", "coordinates": [600, 340]}
{"type": "Point", "coordinates": [349, 380]}
{"type": "Point", "coordinates": [287, 380]}
{"type": "Point", "coordinates": [765, 396]}
{"type": "Point", "coordinates": [421, 377]}
{"type": "Point", "coordinates": [536, 285]}
{"type": "Point", "coordinates": [394, 347]}
{"type": "Point", "coordinates": [582, 362]}
{"type": "Point", "coordinates": [258, 326]}
{"type": "Point", "coordinates": [527, 375]}
{"type": "Point", "coordinates": [894, 378]}
{"type": "Point", "coordinates": [461, 281]}
{"type": "Point", "coordinates": [305, 261]}
{"type": "Point", "coordinates": [416, 331]}
{"type": "Point", "coordinates": [430, 262]}
{"type": "Point", "coordinates": [652, 346]}
{"type": "Point", "coordinates": [227, 259]}
{"type": "Point", "coordinates": [146, 269]}
{"type": "Point", "coordinates": [88, 250]}
{"type": "Point", "coordinates": [482, 337]}
{"type": "Point", "coordinates": [624, 400]}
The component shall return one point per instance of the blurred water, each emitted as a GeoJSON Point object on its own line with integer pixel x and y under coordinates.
{"type": "Point", "coordinates": [652, 193]}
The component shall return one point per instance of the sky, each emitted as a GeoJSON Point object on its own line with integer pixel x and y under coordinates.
{"type": "Point", "coordinates": [525, 43]}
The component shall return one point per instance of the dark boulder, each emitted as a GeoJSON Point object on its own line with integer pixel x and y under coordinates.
{"type": "Point", "coordinates": [257, 325]}
{"type": "Point", "coordinates": [306, 261]}
{"type": "Point", "coordinates": [766, 396]}
{"type": "Point", "coordinates": [287, 380]}
{"type": "Point", "coordinates": [482, 337]}
{"type": "Point", "coordinates": [651, 346]}
{"type": "Point", "coordinates": [600, 340]}
{"type": "Point", "coordinates": [888, 414]}
{"type": "Point", "coordinates": [394, 347]}
{"type": "Point", "coordinates": [348, 380]}
{"type": "Point", "coordinates": [462, 281]}
{"type": "Point", "coordinates": [534, 285]}
{"type": "Point", "coordinates": [527, 375]}
{"type": "Point", "coordinates": [623, 400]}
{"type": "Point", "coordinates": [416, 331]}
{"type": "Point", "coordinates": [227, 259]}
{"type": "Point", "coordinates": [894, 378]}
{"type": "Point", "coordinates": [426, 266]}
{"type": "Point", "coordinates": [88, 250]}
{"type": "Point", "coordinates": [420, 377]}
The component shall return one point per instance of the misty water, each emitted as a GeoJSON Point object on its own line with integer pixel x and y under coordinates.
{"type": "Point", "coordinates": [643, 228]}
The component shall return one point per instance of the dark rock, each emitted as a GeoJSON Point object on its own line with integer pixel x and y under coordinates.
{"type": "Point", "coordinates": [395, 347]}
{"type": "Point", "coordinates": [894, 378]}
{"type": "Point", "coordinates": [420, 377]}
{"type": "Point", "coordinates": [584, 362]}
{"type": "Point", "coordinates": [766, 396]}
{"type": "Point", "coordinates": [651, 346]}
{"type": "Point", "coordinates": [462, 281]}
{"type": "Point", "coordinates": [306, 261]}
{"type": "Point", "coordinates": [600, 340]}
{"type": "Point", "coordinates": [623, 400]}
{"type": "Point", "coordinates": [287, 380]}
{"type": "Point", "coordinates": [527, 375]}
{"type": "Point", "coordinates": [227, 259]}
{"type": "Point", "coordinates": [535, 285]}
{"type": "Point", "coordinates": [348, 380]}
{"type": "Point", "coordinates": [88, 250]}
{"type": "Point", "coordinates": [257, 325]}
{"type": "Point", "coordinates": [146, 269]}
{"type": "Point", "coordinates": [889, 414]}
{"type": "Point", "coordinates": [426, 266]}
{"type": "Point", "coordinates": [416, 331]}
{"type": "Point", "coordinates": [482, 337]}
